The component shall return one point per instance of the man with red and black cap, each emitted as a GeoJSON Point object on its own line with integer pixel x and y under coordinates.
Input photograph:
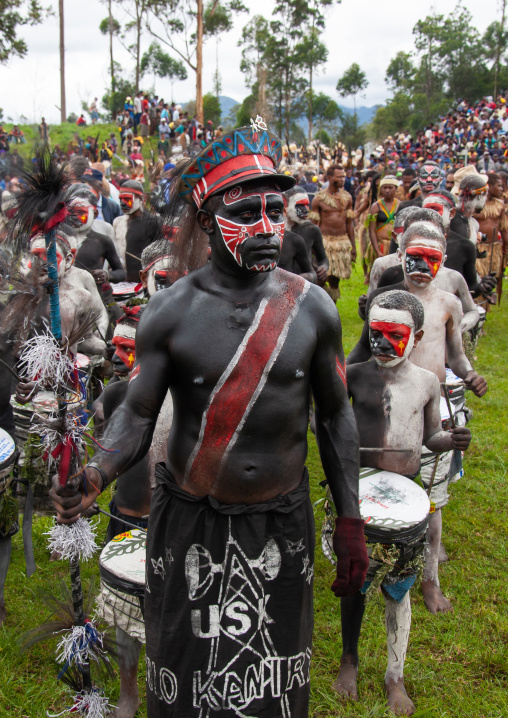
{"type": "Point", "coordinates": [135, 229]}
{"type": "Point", "coordinates": [230, 551]}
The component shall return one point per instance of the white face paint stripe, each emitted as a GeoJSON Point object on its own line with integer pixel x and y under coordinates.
{"type": "Point", "coordinates": [125, 331]}
{"type": "Point", "coordinates": [278, 347]}
{"type": "Point", "coordinates": [222, 381]}
{"type": "Point", "coordinates": [394, 316]}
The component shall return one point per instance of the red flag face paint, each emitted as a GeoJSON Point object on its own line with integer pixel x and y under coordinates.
{"type": "Point", "coordinates": [125, 351]}
{"type": "Point", "coordinates": [259, 218]}
{"type": "Point", "coordinates": [398, 335]}
{"type": "Point", "coordinates": [423, 260]}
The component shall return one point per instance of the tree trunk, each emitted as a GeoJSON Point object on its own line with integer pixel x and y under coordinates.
{"type": "Point", "coordinates": [310, 105]}
{"type": "Point", "coordinates": [262, 91]}
{"type": "Point", "coordinates": [199, 63]}
{"type": "Point", "coordinates": [111, 63]}
{"type": "Point", "coordinates": [498, 47]}
{"type": "Point", "coordinates": [63, 111]}
{"type": "Point", "coordinates": [138, 51]}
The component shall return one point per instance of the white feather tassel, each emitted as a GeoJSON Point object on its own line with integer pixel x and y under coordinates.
{"type": "Point", "coordinates": [74, 541]}
{"type": "Point", "coordinates": [93, 704]}
{"type": "Point", "coordinates": [79, 644]}
{"type": "Point", "coordinates": [43, 362]}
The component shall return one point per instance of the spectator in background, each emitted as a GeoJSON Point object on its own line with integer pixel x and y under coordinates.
{"type": "Point", "coordinates": [44, 132]}
{"type": "Point", "coordinates": [107, 209]}
{"type": "Point", "coordinates": [137, 110]}
{"type": "Point", "coordinates": [17, 136]}
{"type": "Point", "coordinates": [93, 112]}
{"type": "Point", "coordinates": [81, 122]}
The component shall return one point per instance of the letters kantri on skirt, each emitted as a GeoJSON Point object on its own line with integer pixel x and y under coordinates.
{"type": "Point", "coordinates": [228, 606]}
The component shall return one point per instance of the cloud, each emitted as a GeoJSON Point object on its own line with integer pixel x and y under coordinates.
{"type": "Point", "coordinates": [365, 33]}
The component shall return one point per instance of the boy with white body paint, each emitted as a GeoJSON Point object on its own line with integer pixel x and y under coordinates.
{"type": "Point", "coordinates": [422, 251]}
{"type": "Point", "coordinates": [438, 208]}
{"type": "Point", "coordinates": [396, 407]}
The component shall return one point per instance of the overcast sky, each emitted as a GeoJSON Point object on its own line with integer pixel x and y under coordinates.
{"type": "Point", "coordinates": [368, 32]}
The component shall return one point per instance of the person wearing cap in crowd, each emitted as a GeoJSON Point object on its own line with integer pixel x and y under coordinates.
{"type": "Point", "coordinates": [107, 209]}
{"type": "Point", "coordinates": [135, 229]}
{"type": "Point", "coordinates": [381, 216]}
{"type": "Point", "coordinates": [240, 344]}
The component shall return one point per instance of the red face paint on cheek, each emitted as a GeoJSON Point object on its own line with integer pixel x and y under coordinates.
{"type": "Point", "coordinates": [125, 350]}
{"type": "Point", "coordinates": [235, 234]}
{"type": "Point", "coordinates": [431, 257]}
{"type": "Point", "coordinates": [397, 334]}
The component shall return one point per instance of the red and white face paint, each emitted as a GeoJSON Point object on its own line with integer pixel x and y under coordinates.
{"type": "Point", "coordinates": [423, 260]}
{"type": "Point", "coordinates": [391, 335]}
{"type": "Point", "coordinates": [124, 340]}
{"type": "Point", "coordinates": [298, 208]}
{"type": "Point", "coordinates": [38, 249]}
{"type": "Point", "coordinates": [235, 234]}
{"type": "Point", "coordinates": [81, 215]}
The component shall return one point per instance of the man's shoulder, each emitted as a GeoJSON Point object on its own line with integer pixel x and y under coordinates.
{"type": "Point", "coordinates": [423, 377]}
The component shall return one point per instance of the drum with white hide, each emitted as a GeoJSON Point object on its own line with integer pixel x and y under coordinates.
{"type": "Point", "coordinates": [122, 570]}
{"type": "Point", "coordinates": [8, 505]}
{"type": "Point", "coordinates": [396, 514]}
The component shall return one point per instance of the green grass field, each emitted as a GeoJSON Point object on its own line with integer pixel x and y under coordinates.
{"type": "Point", "coordinates": [457, 664]}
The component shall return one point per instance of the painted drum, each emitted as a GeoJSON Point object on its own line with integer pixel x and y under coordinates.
{"type": "Point", "coordinates": [394, 508]}
{"type": "Point", "coordinates": [122, 291]}
{"type": "Point", "coordinates": [82, 361]}
{"type": "Point", "coordinates": [122, 563]}
{"type": "Point", "coordinates": [7, 449]}
{"type": "Point", "coordinates": [456, 389]}
{"type": "Point", "coordinates": [45, 402]}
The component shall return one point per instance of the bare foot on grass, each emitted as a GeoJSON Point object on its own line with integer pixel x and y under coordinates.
{"type": "Point", "coordinates": [345, 683]}
{"type": "Point", "coordinates": [434, 598]}
{"type": "Point", "coordinates": [398, 700]}
{"type": "Point", "coordinates": [127, 707]}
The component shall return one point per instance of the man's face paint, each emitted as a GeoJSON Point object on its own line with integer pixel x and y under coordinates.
{"type": "Point", "coordinates": [130, 202]}
{"type": "Point", "coordinates": [422, 261]}
{"type": "Point", "coordinates": [298, 208]}
{"type": "Point", "coordinates": [429, 178]}
{"type": "Point", "coordinates": [397, 232]}
{"type": "Point", "coordinates": [125, 350]}
{"type": "Point", "coordinates": [262, 217]}
{"type": "Point", "coordinates": [81, 215]}
{"type": "Point", "coordinates": [391, 335]}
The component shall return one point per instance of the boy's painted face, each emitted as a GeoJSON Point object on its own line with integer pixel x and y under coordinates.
{"type": "Point", "coordinates": [124, 340]}
{"type": "Point", "coordinates": [251, 223]}
{"type": "Point", "coordinates": [38, 250]}
{"type": "Point", "coordinates": [421, 260]}
{"type": "Point", "coordinates": [298, 208]}
{"type": "Point", "coordinates": [391, 335]}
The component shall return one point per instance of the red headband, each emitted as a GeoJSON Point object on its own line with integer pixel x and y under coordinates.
{"type": "Point", "coordinates": [164, 256]}
{"type": "Point", "coordinates": [231, 171]}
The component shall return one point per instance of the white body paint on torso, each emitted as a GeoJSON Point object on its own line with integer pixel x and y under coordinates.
{"type": "Point", "coordinates": [379, 266]}
{"type": "Point", "coordinates": [77, 287]}
{"type": "Point", "coordinates": [451, 281]}
{"type": "Point", "coordinates": [439, 307]}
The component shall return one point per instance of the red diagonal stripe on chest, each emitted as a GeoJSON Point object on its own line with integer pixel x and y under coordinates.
{"type": "Point", "coordinates": [242, 381]}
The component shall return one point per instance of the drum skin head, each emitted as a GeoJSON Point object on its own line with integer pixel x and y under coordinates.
{"type": "Point", "coordinates": [7, 448]}
{"type": "Point", "coordinates": [125, 557]}
{"type": "Point", "coordinates": [391, 501]}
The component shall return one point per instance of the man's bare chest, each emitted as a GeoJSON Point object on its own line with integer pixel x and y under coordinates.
{"type": "Point", "coordinates": [224, 340]}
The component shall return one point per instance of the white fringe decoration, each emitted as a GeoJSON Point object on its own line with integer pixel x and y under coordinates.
{"type": "Point", "coordinates": [79, 644]}
{"type": "Point", "coordinates": [93, 704]}
{"type": "Point", "coordinates": [74, 541]}
{"type": "Point", "coordinates": [43, 362]}
{"type": "Point", "coordinates": [50, 436]}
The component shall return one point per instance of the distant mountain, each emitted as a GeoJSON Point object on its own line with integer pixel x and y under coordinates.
{"type": "Point", "coordinates": [365, 114]}
{"type": "Point", "coordinates": [226, 105]}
